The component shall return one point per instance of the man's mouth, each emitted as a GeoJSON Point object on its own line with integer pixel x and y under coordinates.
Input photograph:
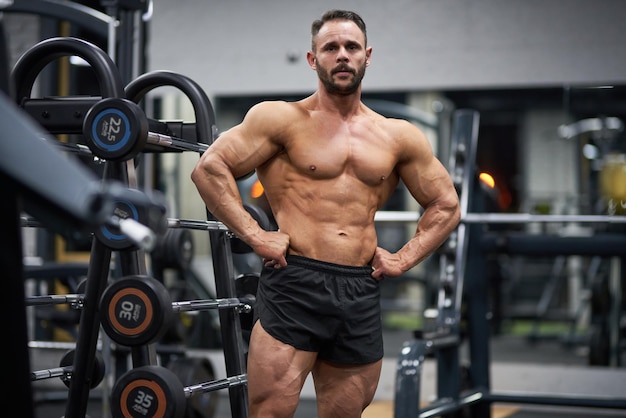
{"type": "Point", "coordinates": [342, 71]}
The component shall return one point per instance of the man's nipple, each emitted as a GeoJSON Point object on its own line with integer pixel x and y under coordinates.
{"type": "Point", "coordinates": [312, 167]}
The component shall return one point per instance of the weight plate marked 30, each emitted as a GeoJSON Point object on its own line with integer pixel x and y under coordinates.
{"type": "Point", "coordinates": [140, 314]}
{"type": "Point", "coordinates": [136, 310]}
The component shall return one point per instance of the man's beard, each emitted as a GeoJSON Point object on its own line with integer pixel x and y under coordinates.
{"type": "Point", "coordinates": [334, 88]}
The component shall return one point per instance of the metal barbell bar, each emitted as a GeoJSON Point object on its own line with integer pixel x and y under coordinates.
{"type": "Point", "coordinates": [196, 224]}
{"type": "Point", "coordinates": [244, 304]}
{"type": "Point", "coordinates": [45, 300]}
{"type": "Point", "coordinates": [176, 143]}
{"type": "Point", "coordinates": [50, 373]}
{"type": "Point", "coordinates": [494, 218]}
{"type": "Point", "coordinates": [225, 383]}
{"type": "Point", "coordinates": [27, 221]}
{"type": "Point", "coordinates": [390, 216]}
{"type": "Point", "coordinates": [204, 304]}
{"type": "Point", "coordinates": [529, 218]}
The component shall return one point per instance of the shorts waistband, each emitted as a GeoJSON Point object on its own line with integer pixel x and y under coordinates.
{"type": "Point", "coordinates": [326, 267]}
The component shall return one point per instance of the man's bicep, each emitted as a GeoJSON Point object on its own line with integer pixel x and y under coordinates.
{"type": "Point", "coordinates": [424, 175]}
{"type": "Point", "coordinates": [244, 147]}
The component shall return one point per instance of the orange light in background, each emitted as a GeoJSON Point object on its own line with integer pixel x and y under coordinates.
{"type": "Point", "coordinates": [487, 179]}
{"type": "Point", "coordinates": [256, 190]}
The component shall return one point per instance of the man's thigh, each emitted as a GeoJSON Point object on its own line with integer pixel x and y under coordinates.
{"type": "Point", "coordinates": [276, 369]}
{"type": "Point", "coordinates": [345, 390]}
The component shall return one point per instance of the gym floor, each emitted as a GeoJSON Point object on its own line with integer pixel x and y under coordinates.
{"type": "Point", "coordinates": [516, 364]}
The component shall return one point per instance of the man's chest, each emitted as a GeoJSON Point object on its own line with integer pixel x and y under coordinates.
{"type": "Point", "coordinates": [365, 157]}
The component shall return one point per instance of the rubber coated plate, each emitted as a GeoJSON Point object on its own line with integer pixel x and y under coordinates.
{"type": "Point", "coordinates": [148, 391]}
{"type": "Point", "coordinates": [136, 310]}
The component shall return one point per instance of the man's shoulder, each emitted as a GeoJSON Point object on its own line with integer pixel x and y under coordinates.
{"type": "Point", "coordinates": [277, 107]}
{"type": "Point", "coordinates": [275, 117]}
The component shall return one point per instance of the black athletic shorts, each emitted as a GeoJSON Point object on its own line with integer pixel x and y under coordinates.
{"type": "Point", "coordinates": [327, 308]}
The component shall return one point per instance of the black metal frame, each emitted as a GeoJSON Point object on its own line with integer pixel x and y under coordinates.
{"type": "Point", "coordinates": [464, 277]}
{"type": "Point", "coordinates": [41, 181]}
{"type": "Point", "coordinates": [130, 261]}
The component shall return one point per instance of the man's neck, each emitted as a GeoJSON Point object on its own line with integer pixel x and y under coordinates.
{"type": "Point", "coordinates": [346, 105]}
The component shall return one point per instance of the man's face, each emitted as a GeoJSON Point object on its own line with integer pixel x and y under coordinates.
{"type": "Point", "coordinates": [340, 56]}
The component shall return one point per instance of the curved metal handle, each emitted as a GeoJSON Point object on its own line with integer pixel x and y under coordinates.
{"type": "Point", "coordinates": [206, 128]}
{"type": "Point", "coordinates": [30, 64]}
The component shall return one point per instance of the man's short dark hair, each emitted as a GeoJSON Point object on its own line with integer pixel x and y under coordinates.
{"type": "Point", "coordinates": [336, 15]}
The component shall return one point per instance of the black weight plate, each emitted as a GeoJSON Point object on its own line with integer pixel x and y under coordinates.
{"type": "Point", "coordinates": [148, 391]}
{"type": "Point", "coordinates": [136, 310]}
{"type": "Point", "coordinates": [97, 374]}
{"type": "Point", "coordinates": [115, 129]}
{"type": "Point", "coordinates": [174, 249]}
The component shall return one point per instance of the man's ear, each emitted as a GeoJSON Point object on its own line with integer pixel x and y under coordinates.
{"type": "Point", "coordinates": [310, 57]}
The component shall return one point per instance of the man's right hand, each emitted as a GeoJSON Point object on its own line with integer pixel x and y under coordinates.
{"type": "Point", "coordinates": [272, 246]}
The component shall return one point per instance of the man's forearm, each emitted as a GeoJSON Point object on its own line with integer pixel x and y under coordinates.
{"type": "Point", "coordinates": [222, 199]}
{"type": "Point", "coordinates": [433, 228]}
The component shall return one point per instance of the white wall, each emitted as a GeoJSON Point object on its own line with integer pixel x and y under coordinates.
{"type": "Point", "coordinates": [241, 46]}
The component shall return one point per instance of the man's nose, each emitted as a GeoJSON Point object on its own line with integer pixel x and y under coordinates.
{"type": "Point", "coordinates": [342, 55]}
